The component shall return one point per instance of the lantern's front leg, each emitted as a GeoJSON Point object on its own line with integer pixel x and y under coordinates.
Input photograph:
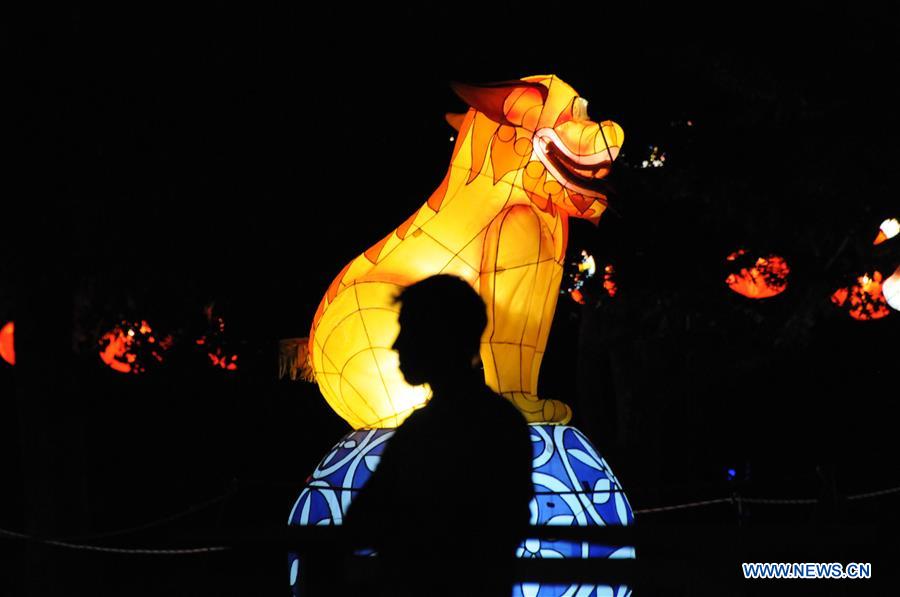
{"type": "Point", "coordinates": [519, 282]}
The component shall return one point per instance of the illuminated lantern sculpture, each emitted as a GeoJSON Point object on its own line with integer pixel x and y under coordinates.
{"type": "Point", "coordinates": [765, 278]}
{"type": "Point", "coordinates": [656, 159]}
{"type": "Point", "coordinates": [573, 486]}
{"type": "Point", "coordinates": [526, 159]}
{"type": "Point", "coordinates": [864, 301]}
{"type": "Point", "coordinates": [585, 269]}
{"type": "Point", "coordinates": [7, 343]}
{"type": "Point", "coordinates": [130, 346]}
{"type": "Point", "coordinates": [609, 281]}
{"type": "Point", "coordinates": [891, 290]}
{"type": "Point", "coordinates": [888, 230]}
{"type": "Point", "coordinates": [221, 360]}
{"type": "Point", "coordinates": [214, 342]}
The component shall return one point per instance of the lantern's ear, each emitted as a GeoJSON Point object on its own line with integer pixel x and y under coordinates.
{"type": "Point", "coordinates": [490, 98]}
{"type": "Point", "coordinates": [454, 120]}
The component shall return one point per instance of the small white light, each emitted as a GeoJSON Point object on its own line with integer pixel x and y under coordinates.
{"type": "Point", "coordinates": [889, 229]}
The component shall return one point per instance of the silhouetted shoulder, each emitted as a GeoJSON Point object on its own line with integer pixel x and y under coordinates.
{"type": "Point", "coordinates": [501, 409]}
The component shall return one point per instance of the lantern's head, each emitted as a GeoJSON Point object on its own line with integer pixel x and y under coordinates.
{"type": "Point", "coordinates": [541, 125]}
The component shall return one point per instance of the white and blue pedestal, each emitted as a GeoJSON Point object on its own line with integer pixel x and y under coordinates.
{"type": "Point", "coordinates": [573, 487]}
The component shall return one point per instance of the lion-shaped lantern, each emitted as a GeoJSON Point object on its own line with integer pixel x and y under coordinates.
{"type": "Point", "coordinates": [527, 158]}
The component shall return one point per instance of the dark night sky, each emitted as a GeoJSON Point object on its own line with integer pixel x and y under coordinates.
{"type": "Point", "coordinates": [162, 160]}
{"type": "Point", "coordinates": [219, 137]}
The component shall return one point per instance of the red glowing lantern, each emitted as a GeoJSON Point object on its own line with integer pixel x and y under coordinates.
{"type": "Point", "coordinates": [7, 343]}
{"type": "Point", "coordinates": [214, 341]}
{"type": "Point", "coordinates": [222, 361]}
{"type": "Point", "coordinates": [864, 301]}
{"type": "Point", "coordinates": [609, 284]}
{"type": "Point", "coordinates": [128, 347]}
{"type": "Point", "coordinates": [765, 278]}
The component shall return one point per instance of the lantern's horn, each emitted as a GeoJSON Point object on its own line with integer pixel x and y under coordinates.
{"type": "Point", "coordinates": [489, 98]}
{"type": "Point", "coordinates": [454, 120]}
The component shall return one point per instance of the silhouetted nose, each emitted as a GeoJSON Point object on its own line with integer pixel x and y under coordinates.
{"type": "Point", "coordinates": [399, 342]}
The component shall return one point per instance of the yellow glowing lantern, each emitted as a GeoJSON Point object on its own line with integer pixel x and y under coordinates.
{"type": "Point", "coordinates": [765, 278]}
{"type": "Point", "coordinates": [865, 300]}
{"type": "Point", "coordinates": [7, 343]}
{"type": "Point", "coordinates": [888, 230]}
{"type": "Point", "coordinates": [526, 159]}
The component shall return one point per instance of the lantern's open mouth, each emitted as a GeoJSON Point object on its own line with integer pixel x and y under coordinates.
{"type": "Point", "coordinates": [582, 174]}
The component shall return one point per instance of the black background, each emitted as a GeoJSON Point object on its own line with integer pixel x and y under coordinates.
{"type": "Point", "coordinates": [160, 160]}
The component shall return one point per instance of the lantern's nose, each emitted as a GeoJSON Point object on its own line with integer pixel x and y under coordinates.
{"type": "Point", "coordinates": [610, 137]}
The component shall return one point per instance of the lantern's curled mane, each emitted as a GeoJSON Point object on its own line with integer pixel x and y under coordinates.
{"type": "Point", "coordinates": [526, 158]}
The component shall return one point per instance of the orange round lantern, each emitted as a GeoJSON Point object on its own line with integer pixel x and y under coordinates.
{"type": "Point", "coordinates": [864, 301]}
{"type": "Point", "coordinates": [129, 346]}
{"type": "Point", "coordinates": [765, 278]}
{"type": "Point", "coordinates": [7, 343]}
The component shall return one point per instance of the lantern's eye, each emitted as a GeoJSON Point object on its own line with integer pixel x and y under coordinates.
{"type": "Point", "coordinates": [579, 109]}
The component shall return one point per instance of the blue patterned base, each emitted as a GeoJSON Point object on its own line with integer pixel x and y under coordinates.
{"type": "Point", "coordinates": [573, 487]}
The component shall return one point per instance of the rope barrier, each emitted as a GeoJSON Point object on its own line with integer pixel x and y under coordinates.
{"type": "Point", "coordinates": [683, 506]}
{"type": "Point", "coordinates": [152, 524]}
{"type": "Point", "coordinates": [13, 534]}
{"type": "Point", "coordinates": [786, 502]}
{"type": "Point", "coordinates": [136, 550]}
{"type": "Point", "coordinates": [119, 550]}
{"type": "Point", "coordinates": [222, 548]}
{"type": "Point", "coordinates": [870, 494]}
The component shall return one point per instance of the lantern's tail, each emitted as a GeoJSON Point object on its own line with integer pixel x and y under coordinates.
{"type": "Point", "coordinates": [293, 359]}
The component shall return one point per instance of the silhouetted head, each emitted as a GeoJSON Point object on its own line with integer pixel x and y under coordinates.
{"type": "Point", "coordinates": [441, 322]}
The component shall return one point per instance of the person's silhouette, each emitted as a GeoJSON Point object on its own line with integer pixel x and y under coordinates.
{"type": "Point", "coordinates": [449, 502]}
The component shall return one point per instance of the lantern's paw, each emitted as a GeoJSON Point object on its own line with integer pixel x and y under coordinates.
{"type": "Point", "coordinates": [538, 410]}
{"type": "Point", "coordinates": [293, 359]}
